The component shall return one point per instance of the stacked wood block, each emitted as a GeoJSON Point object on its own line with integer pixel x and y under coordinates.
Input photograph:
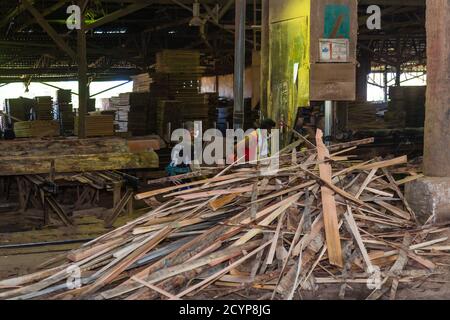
{"type": "Point", "coordinates": [142, 114]}
{"type": "Point", "coordinates": [134, 113]}
{"type": "Point", "coordinates": [19, 108]}
{"type": "Point", "coordinates": [21, 157]}
{"type": "Point", "coordinates": [141, 83]}
{"type": "Point", "coordinates": [44, 108]}
{"type": "Point", "coordinates": [177, 77]}
{"type": "Point", "coordinates": [37, 128]}
{"type": "Point", "coordinates": [121, 113]}
{"type": "Point", "coordinates": [406, 107]}
{"type": "Point", "coordinates": [178, 61]}
{"type": "Point", "coordinates": [168, 117]}
{"type": "Point", "coordinates": [65, 111]}
{"type": "Point", "coordinates": [97, 125]}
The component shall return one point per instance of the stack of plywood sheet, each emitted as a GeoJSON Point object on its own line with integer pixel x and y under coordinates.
{"type": "Point", "coordinates": [141, 82]}
{"type": "Point", "coordinates": [37, 128]}
{"type": "Point", "coordinates": [142, 113]}
{"type": "Point", "coordinates": [121, 109]}
{"type": "Point", "coordinates": [44, 108]}
{"type": "Point", "coordinates": [97, 125]}
{"type": "Point", "coordinates": [184, 87]}
{"type": "Point", "coordinates": [19, 108]}
{"type": "Point", "coordinates": [178, 61]}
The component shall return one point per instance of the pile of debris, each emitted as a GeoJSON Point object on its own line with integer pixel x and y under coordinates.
{"type": "Point", "coordinates": [321, 219]}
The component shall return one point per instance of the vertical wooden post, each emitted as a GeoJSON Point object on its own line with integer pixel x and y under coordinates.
{"type": "Point", "coordinates": [82, 76]}
{"type": "Point", "coordinates": [264, 56]}
{"type": "Point", "coordinates": [239, 63]}
{"type": "Point", "coordinates": [437, 122]}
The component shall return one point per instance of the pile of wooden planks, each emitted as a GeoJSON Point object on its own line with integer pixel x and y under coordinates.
{"type": "Point", "coordinates": [19, 108]}
{"type": "Point", "coordinates": [323, 218]}
{"type": "Point", "coordinates": [21, 157]}
{"type": "Point", "coordinates": [97, 125]}
{"type": "Point", "coordinates": [44, 108]}
{"type": "Point", "coordinates": [178, 61]}
{"type": "Point", "coordinates": [141, 82]}
{"type": "Point", "coordinates": [37, 128]}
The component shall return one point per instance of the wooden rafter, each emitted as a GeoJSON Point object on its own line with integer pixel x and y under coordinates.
{"type": "Point", "coordinates": [50, 31]}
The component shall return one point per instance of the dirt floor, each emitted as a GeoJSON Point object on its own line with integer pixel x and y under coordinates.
{"type": "Point", "coordinates": [20, 261]}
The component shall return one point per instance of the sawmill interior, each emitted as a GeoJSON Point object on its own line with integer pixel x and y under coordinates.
{"type": "Point", "coordinates": [348, 99]}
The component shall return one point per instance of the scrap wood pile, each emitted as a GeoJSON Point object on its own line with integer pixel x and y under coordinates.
{"type": "Point", "coordinates": [322, 218]}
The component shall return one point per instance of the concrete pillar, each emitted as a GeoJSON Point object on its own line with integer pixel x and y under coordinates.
{"type": "Point", "coordinates": [431, 195]}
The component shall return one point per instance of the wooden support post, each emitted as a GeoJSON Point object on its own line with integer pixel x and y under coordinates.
{"type": "Point", "coordinates": [117, 187]}
{"type": "Point", "coordinates": [82, 77]}
{"type": "Point", "coordinates": [130, 205]}
{"type": "Point", "coordinates": [21, 194]}
{"type": "Point", "coordinates": [437, 128]}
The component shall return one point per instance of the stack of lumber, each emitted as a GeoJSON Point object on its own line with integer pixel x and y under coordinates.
{"type": "Point", "coordinates": [44, 108]}
{"type": "Point", "coordinates": [65, 111]}
{"type": "Point", "coordinates": [97, 125]}
{"type": "Point", "coordinates": [320, 220]}
{"type": "Point", "coordinates": [184, 88]}
{"type": "Point", "coordinates": [141, 83]}
{"type": "Point", "coordinates": [142, 114]}
{"type": "Point", "coordinates": [178, 77]}
{"type": "Point", "coordinates": [19, 108]}
{"type": "Point", "coordinates": [24, 157]}
{"type": "Point", "coordinates": [178, 61]}
{"type": "Point", "coordinates": [169, 116]}
{"type": "Point", "coordinates": [134, 112]}
{"type": "Point", "coordinates": [406, 107]}
{"type": "Point", "coordinates": [37, 128]}
{"type": "Point", "coordinates": [120, 111]}
{"type": "Point", "coordinates": [363, 116]}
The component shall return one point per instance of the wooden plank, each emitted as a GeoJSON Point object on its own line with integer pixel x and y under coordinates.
{"type": "Point", "coordinates": [329, 206]}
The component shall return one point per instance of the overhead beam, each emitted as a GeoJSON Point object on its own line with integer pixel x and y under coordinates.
{"type": "Point", "coordinates": [412, 3]}
{"type": "Point", "coordinates": [50, 31]}
{"type": "Point", "coordinates": [113, 87]}
{"type": "Point", "coordinates": [117, 14]}
{"type": "Point", "coordinates": [45, 13]}
{"type": "Point", "coordinates": [14, 12]}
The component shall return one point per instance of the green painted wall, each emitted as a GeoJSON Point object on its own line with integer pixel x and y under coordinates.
{"type": "Point", "coordinates": [288, 60]}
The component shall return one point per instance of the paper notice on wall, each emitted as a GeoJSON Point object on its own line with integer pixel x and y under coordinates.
{"type": "Point", "coordinates": [334, 50]}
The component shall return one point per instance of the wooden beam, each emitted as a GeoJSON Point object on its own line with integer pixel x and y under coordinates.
{"type": "Point", "coordinates": [45, 13]}
{"type": "Point", "coordinates": [50, 31]}
{"type": "Point", "coordinates": [117, 14]}
{"type": "Point", "coordinates": [330, 217]}
{"type": "Point", "coordinates": [14, 12]}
